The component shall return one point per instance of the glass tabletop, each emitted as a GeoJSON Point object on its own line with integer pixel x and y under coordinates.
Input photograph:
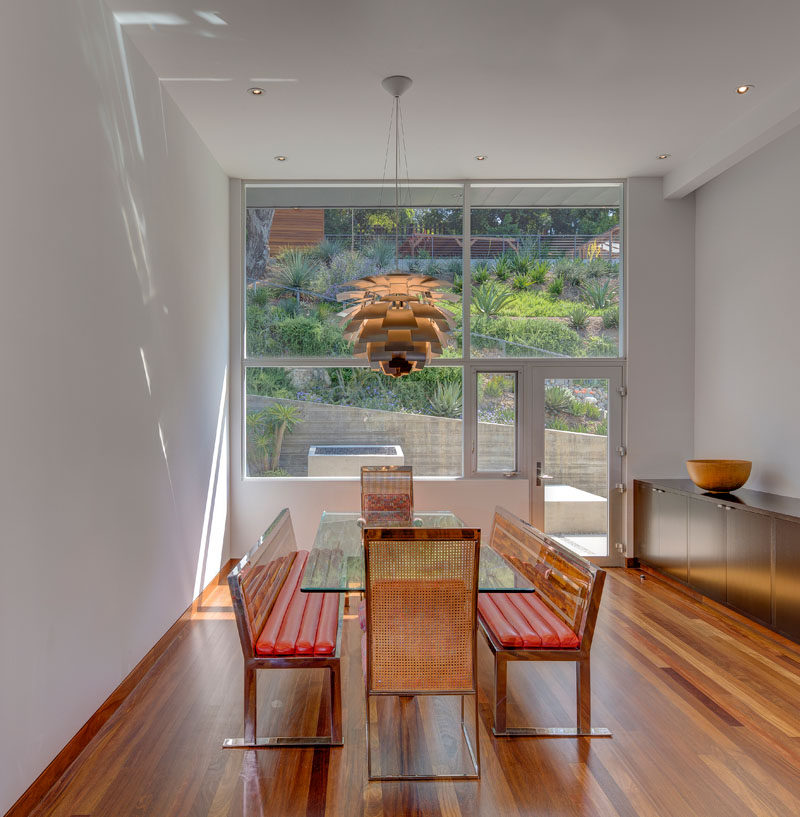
{"type": "Point", "coordinates": [336, 561]}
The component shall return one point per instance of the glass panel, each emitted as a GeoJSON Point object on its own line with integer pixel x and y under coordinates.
{"type": "Point", "coordinates": [496, 443]}
{"type": "Point", "coordinates": [297, 258]}
{"type": "Point", "coordinates": [546, 279]}
{"type": "Point", "coordinates": [575, 468]}
{"type": "Point", "coordinates": [328, 422]}
{"type": "Point", "coordinates": [336, 561]}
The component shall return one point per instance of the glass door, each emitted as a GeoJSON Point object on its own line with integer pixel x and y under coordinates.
{"type": "Point", "coordinates": [577, 459]}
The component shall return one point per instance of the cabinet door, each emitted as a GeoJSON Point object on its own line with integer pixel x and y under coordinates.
{"type": "Point", "coordinates": [707, 548]}
{"type": "Point", "coordinates": [645, 529]}
{"type": "Point", "coordinates": [748, 549]}
{"type": "Point", "coordinates": [787, 577]}
{"type": "Point", "coordinates": [671, 510]}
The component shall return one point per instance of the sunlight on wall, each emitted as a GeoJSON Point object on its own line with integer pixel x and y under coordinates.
{"type": "Point", "coordinates": [215, 518]}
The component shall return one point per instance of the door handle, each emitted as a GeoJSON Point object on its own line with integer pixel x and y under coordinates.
{"type": "Point", "coordinates": [540, 477]}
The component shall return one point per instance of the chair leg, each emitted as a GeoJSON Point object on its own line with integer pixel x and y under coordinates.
{"type": "Point", "coordinates": [250, 712]}
{"type": "Point", "coordinates": [584, 696]}
{"type": "Point", "coordinates": [500, 693]}
{"type": "Point", "coordinates": [336, 703]}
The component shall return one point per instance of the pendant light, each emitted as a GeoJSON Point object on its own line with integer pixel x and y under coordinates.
{"type": "Point", "coordinates": [395, 323]}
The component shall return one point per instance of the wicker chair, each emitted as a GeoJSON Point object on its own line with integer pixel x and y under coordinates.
{"type": "Point", "coordinates": [421, 622]}
{"type": "Point", "coordinates": [387, 494]}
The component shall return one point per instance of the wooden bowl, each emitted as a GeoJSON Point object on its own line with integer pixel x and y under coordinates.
{"type": "Point", "coordinates": [719, 476]}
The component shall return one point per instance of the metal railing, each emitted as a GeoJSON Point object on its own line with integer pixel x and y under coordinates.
{"type": "Point", "coordinates": [483, 246]}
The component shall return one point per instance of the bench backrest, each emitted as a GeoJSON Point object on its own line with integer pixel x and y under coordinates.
{"type": "Point", "coordinates": [257, 579]}
{"type": "Point", "coordinates": [570, 585]}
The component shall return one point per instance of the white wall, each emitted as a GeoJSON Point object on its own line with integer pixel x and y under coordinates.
{"type": "Point", "coordinates": [114, 251]}
{"type": "Point", "coordinates": [747, 389]}
{"type": "Point", "coordinates": [660, 333]}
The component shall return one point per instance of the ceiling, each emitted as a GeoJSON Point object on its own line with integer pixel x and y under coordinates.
{"type": "Point", "coordinates": [546, 89]}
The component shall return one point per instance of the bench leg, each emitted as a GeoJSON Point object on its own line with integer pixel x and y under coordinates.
{"type": "Point", "coordinates": [250, 713]}
{"type": "Point", "coordinates": [335, 680]}
{"type": "Point", "coordinates": [500, 693]}
{"type": "Point", "coordinates": [584, 696]}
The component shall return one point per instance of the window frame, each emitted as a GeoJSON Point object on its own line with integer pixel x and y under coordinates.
{"type": "Point", "coordinates": [470, 366]}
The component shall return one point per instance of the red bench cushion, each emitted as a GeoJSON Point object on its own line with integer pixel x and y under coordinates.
{"type": "Point", "coordinates": [524, 621]}
{"type": "Point", "coordinates": [300, 623]}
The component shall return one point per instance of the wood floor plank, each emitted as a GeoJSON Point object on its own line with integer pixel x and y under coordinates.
{"type": "Point", "coordinates": [703, 708]}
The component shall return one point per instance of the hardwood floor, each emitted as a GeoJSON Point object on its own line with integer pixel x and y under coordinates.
{"type": "Point", "coordinates": [703, 709]}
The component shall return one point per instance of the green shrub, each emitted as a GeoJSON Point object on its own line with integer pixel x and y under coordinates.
{"type": "Point", "coordinates": [541, 334]}
{"type": "Point", "coordinates": [432, 269]}
{"type": "Point", "coordinates": [592, 411]}
{"type": "Point", "coordinates": [578, 316]}
{"type": "Point", "coordinates": [381, 253]}
{"type": "Point", "coordinates": [520, 283]}
{"type": "Point", "coordinates": [494, 387]}
{"type": "Point", "coordinates": [446, 399]}
{"type": "Point", "coordinates": [556, 424]}
{"type": "Point", "coordinates": [502, 268]}
{"type": "Point", "coordinates": [577, 408]}
{"type": "Point", "coordinates": [520, 264]}
{"type": "Point", "coordinates": [599, 268]}
{"type": "Point", "coordinates": [557, 398]}
{"type": "Point", "coordinates": [453, 267]}
{"type": "Point", "coordinates": [571, 270]}
{"type": "Point", "coordinates": [611, 317]}
{"type": "Point", "coordinates": [326, 250]}
{"type": "Point", "coordinates": [305, 337]}
{"type": "Point", "coordinates": [538, 272]}
{"type": "Point", "coordinates": [600, 346]}
{"type": "Point", "coordinates": [489, 298]}
{"type": "Point", "coordinates": [555, 288]}
{"type": "Point", "coordinates": [480, 273]}
{"type": "Point", "coordinates": [458, 284]}
{"type": "Point", "coordinates": [599, 295]}
{"type": "Point", "coordinates": [259, 296]}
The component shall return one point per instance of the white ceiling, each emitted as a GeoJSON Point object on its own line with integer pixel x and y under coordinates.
{"type": "Point", "coordinates": [545, 88]}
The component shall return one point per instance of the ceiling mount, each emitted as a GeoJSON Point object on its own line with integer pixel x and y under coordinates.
{"type": "Point", "coordinates": [397, 85]}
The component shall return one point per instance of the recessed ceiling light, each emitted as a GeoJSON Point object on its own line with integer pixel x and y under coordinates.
{"type": "Point", "coordinates": [255, 91]}
{"type": "Point", "coordinates": [481, 157]}
{"type": "Point", "coordinates": [663, 156]}
{"type": "Point", "coordinates": [743, 89]}
{"type": "Point", "coordinates": [280, 158]}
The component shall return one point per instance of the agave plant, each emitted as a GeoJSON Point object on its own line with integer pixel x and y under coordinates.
{"type": "Point", "coordinates": [446, 400]}
{"type": "Point", "coordinates": [453, 267]}
{"type": "Point", "coordinates": [611, 317]}
{"type": "Point", "coordinates": [520, 282]}
{"type": "Point", "coordinates": [296, 270]}
{"type": "Point", "coordinates": [327, 250]}
{"type": "Point", "coordinates": [599, 296]}
{"type": "Point", "coordinates": [490, 298]}
{"type": "Point", "coordinates": [381, 253]}
{"type": "Point", "coordinates": [458, 284]}
{"type": "Point", "coordinates": [557, 398]}
{"type": "Point", "coordinates": [578, 316]}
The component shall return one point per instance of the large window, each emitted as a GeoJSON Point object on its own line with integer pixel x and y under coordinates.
{"type": "Point", "coordinates": [535, 271]}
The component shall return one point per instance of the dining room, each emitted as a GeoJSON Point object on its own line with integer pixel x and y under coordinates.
{"type": "Point", "coordinates": [519, 265]}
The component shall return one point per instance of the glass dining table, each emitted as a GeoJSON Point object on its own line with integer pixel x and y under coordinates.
{"type": "Point", "coordinates": [336, 561]}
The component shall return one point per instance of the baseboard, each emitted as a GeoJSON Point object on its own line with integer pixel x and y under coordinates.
{"type": "Point", "coordinates": [47, 780]}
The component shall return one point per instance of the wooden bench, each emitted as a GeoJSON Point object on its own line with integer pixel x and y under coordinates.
{"type": "Point", "coordinates": [280, 627]}
{"type": "Point", "coordinates": [555, 623]}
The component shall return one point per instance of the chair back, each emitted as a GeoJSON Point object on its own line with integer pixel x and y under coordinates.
{"type": "Point", "coordinates": [387, 494]}
{"type": "Point", "coordinates": [421, 616]}
{"type": "Point", "coordinates": [257, 579]}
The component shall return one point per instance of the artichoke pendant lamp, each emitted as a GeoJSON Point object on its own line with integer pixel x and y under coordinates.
{"type": "Point", "coordinates": [393, 320]}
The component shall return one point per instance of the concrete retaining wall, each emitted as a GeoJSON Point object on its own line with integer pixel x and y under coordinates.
{"type": "Point", "coordinates": [433, 445]}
